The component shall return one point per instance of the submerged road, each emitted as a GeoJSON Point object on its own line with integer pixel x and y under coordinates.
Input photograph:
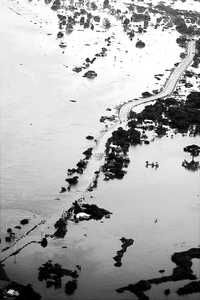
{"type": "Point", "coordinates": [97, 159]}
{"type": "Point", "coordinates": [169, 87]}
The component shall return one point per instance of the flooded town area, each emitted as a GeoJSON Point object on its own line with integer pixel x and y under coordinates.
{"type": "Point", "coordinates": [100, 150]}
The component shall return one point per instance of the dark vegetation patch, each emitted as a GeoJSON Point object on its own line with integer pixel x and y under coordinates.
{"type": "Point", "coordinates": [74, 180]}
{"type": "Point", "coordinates": [125, 244]}
{"type": "Point", "coordinates": [80, 167]}
{"type": "Point", "coordinates": [53, 274]}
{"type": "Point", "coordinates": [194, 151]}
{"type": "Point", "coordinates": [185, 22]}
{"type": "Point", "coordinates": [182, 271]}
{"type": "Point", "coordinates": [18, 227]}
{"type": "Point", "coordinates": [61, 228]}
{"type": "Point", "coordinates": [138, 289]}
{"type": "Point", "coordinates": [10, 235]}
{"type": "Point", "coordinates": [108, 118]}
{"type": "Point", "coordinates": [182, 41]}
{"type": "Point", "coordinates": [79, 211]}
{"type": "Point", "coordinates": [93, 184]}
{"type": "Point", "coordinates": [117, 147]}
{"type": "Point", "coordinates": [24, 221]}
{"type": "Point", "coordinates": [152, 164]}
{"type": "Point", "coordinates": [44, 242]}
{"type": "Point", "coordinates": [70, 287]}
{"type": "Point", "coordinates": [146, 94]}
{"type": "Point", "coordinates": [56, 4]}
{"type": "Point", "coordinates": [140, 44]}
{"type": "Point", "coordinates": [63, 189]}
{"type": "Point", "coordinates": [167, 292]}
{"type": "Point", "coordinates": [89, 137]}
{"type": "Point", "coordinates": [190, 288]}
{"type": "Point", "coordinates": [90, 74]}
{"type": "Point", "coordinates": [177, 115]}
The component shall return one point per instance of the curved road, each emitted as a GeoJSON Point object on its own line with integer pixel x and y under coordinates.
{"type": "Point", "coordinates": [168, 88]}
{"type": "Point", "coordinates": [97, 158]}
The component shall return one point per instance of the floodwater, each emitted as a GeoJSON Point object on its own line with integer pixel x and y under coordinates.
{"type": "Point", "coordinates": [38, 120]}
{"type": "Point", "coordinates": [44, 133]}
{"type": "Point", "coordinates": [169, 194]}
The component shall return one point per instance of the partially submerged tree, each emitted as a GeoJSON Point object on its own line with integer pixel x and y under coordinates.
{"type": "Point", "coordinates": [106, 23]}
{"type": "Point", "coordinates": [194, 150]}
{"type": "Point", "coordinates": [106, 4]}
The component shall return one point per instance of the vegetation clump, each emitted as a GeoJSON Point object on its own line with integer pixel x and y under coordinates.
{"type": "Point", "coordinates": [24, 221]}
{"type": "Point", "coordinates": [117, 148]}
{"type": "Point", "coordinates": [178, 115]}
{"type": "Point", "coordinates": [125, 244]}
{"type": "Point", "coordinates": [90, 74]}
{"type": "Point", "coordinates": [182, 271]}
{"type": "Point", "coordinates": [190, 288]}
{"type": "Point", "coordinates": [194, 151]}
{"type": "Point", "coordinates": [140, 44]}
{"type": "Point", "coordinates": [52, 274]}
{"type": "Point", "coordinates": [61, 228]}
{"type": "Point", "coordinates": [70, 287]}
{"type": "Point", "coordinates": [79, 211]}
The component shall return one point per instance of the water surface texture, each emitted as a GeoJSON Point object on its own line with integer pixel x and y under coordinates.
{"type": "Point", "coordinates": [47, 111]}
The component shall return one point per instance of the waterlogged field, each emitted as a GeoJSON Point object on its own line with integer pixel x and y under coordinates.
{"type": "Point", "coordinates": [49, 105]}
